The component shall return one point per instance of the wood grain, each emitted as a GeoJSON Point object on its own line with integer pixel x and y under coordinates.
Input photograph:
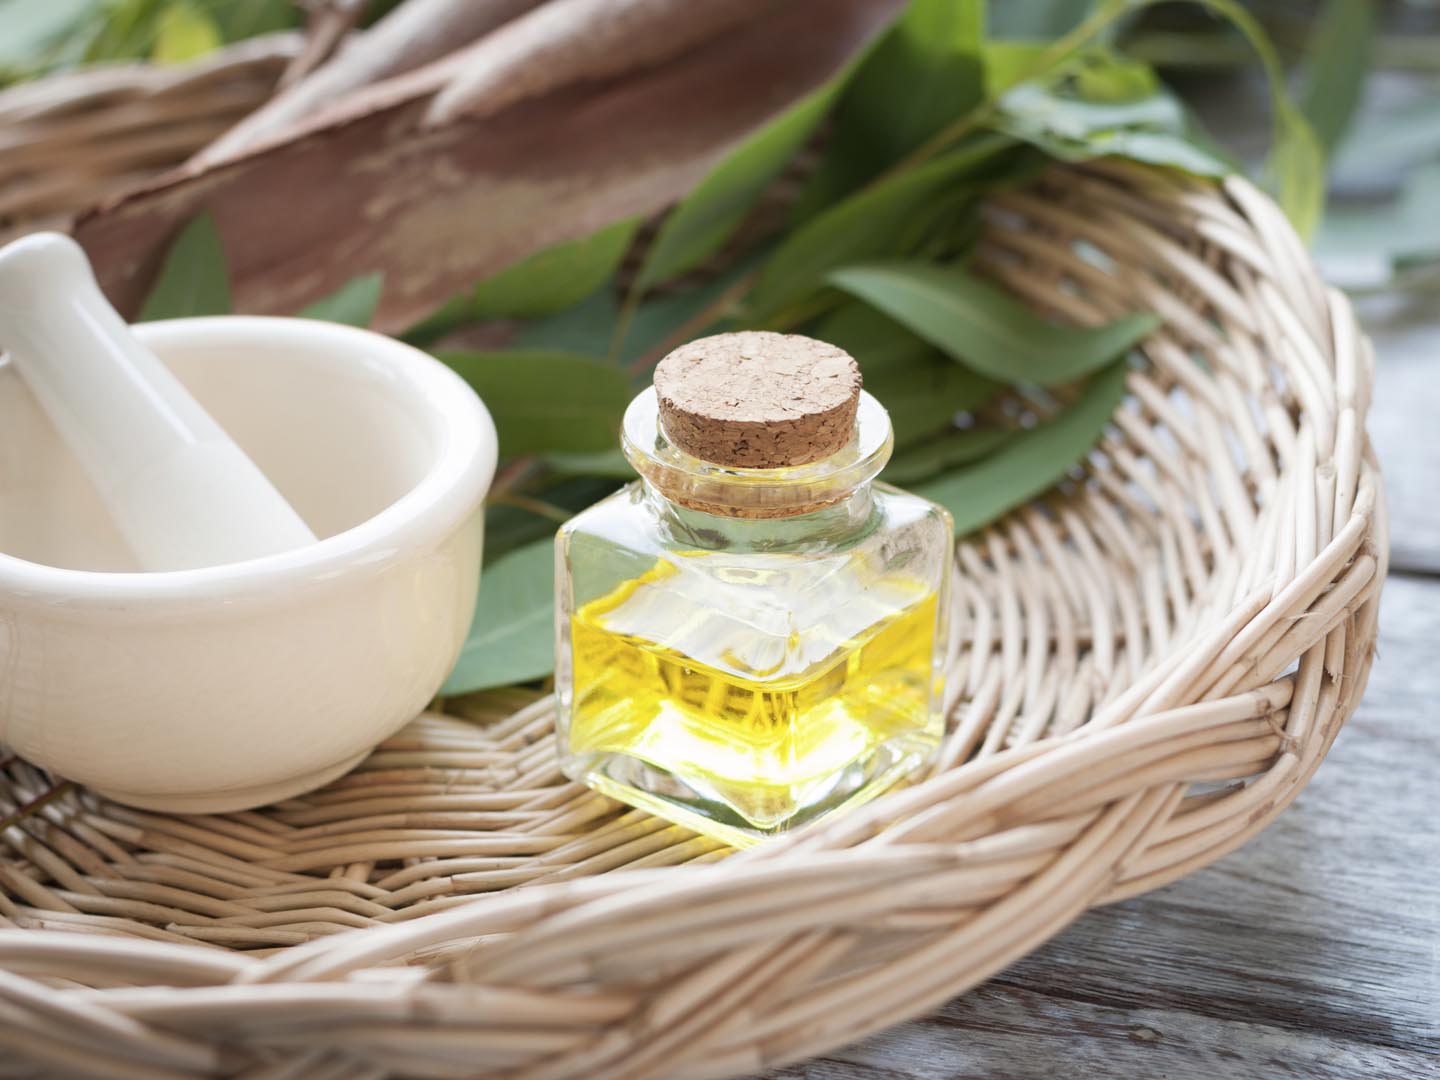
{"type": "Point", "coordinates": [1404, 427]}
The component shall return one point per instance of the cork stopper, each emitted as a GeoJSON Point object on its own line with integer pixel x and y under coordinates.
{"type": "Point", "coordinates": [758, 400]}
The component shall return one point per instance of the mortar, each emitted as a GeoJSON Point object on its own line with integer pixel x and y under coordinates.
{"type": "Point", "coordinates": [227, 687]}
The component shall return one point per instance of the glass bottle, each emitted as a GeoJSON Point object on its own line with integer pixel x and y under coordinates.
{"type": "Point", "coordinates": [751, 635]}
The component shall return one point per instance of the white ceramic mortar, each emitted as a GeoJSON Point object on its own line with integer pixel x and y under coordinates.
{"type": "Point", "coordinates": [231, 686]}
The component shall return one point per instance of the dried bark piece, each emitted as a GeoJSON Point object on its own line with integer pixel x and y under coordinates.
{"type": "Point", "coordinates": [437, 210]}
{"type": "Point", "coordinates": [410, 37]}
{"type": "Point", "coordinates": [565, 41]}
{"type": "Point", "coordinates": [758, 400]}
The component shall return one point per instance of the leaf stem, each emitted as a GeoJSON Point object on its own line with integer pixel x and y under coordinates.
{"type": "Point", "coordinates": [712, 311]}
{"type": "Point", "coordinates": [1058, 51]}
{"type": "Point", "coordinates": [511, 475]}
{"type": "Point", "coordinates": [539, 507]}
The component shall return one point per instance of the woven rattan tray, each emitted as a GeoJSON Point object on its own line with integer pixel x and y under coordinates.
{"type": "Point", "coordinates": [1148, 664]}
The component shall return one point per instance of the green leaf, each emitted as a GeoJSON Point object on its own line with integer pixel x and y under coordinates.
{"type": "Point", "coordinates": [352, 304]}
{"type": "Point", "coordinates": [545, 401]}
{"type": "Point", "coordinates": [1394, 140]}
{"type": "Point", "coordinates": [607, 463]}
{"type": "Point", "coordinates": [589, 327]}
{"type": "Point", "coordinates": [512, 638]}
{"type": "Point", "coordinates": [1295, 169]}
{"type": "Point", "coordinates": [584, 328]}
{"type": "Point", "coordinates": [923, 74]}
{"type": "Point", "coordinates": [192, 278]}
{"type": "Point", "coordinates": [1009, 63]}
{"type": "Point", "coordinates": [1410, 228]}
{"type": "Point", "coordinates": [984, 327]}
{"type": "Point", "coordinates": [1037, 18]}
{"type": "Point", "coordinates": [943, 452]}
{"type": "Point", "coordinates": [1337, 62]}
{"type": "Point", "coordinates": [920, 387]}
{"type": "Point", "coordinates": [554, 279]}
{"type": "Point", "coordinates": [1154, 129]}
{"type": "Point", "coordinates": [1031, 462]}
{"type": "Point", "coordinates": [33, 30]}
{"type": "Point", "coordinates": [184, 32]}
{"type": "Point", "coordinates": [255, 17]}
{"type": "Point", "coordinates": [862, 226]}
{"type": "Point", "coordinates": [707, 217]}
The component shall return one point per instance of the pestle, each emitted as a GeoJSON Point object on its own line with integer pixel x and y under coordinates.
{"type": "Point", "coordinates": [181, 492]}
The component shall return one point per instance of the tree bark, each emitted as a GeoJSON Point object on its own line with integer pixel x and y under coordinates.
{"type": "Point", "coordinates": [437, 209]}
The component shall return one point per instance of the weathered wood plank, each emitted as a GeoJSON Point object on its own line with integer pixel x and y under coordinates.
{"type": "Point", "coordinates": [1405, 427]}
{"type": "Point", "coordinates": [1308, 953]}
{"type": "Point", "coordinates": [1004, 1033]}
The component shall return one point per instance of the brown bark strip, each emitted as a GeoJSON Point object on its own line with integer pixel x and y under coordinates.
{"type": "Point", "coordinates": [567, 41]}
{"type": "Point", "coordinates": [437, 210]}
{"type": "Point", "coordinates": [411, 36]}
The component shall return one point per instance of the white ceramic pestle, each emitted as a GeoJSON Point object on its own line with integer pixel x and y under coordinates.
{"type": "Point", "coordinates": [181, 492]}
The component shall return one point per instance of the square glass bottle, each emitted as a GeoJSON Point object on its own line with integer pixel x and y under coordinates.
{"type": "Point", "coordinates": [751, 635]}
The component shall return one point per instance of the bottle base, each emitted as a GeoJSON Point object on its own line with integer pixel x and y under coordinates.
{"type": "Point", "coordinates": [742, 814]}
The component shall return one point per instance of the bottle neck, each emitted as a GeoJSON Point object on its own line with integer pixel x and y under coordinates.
{"type": "Point", "coordinates": [839, 481]}
{"type": "Point", "coordinates": [703, 530]}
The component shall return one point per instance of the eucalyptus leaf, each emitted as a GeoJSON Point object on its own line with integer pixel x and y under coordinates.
{"type": "Point", "coordinates": [608, 463]}
{"type": "Point", "coordinates": [512, 637]}
{"type": "Point", "coordinates": [1393, 140]}
{"type": "Point", "coordinates": [926, 459]}
{"type": "Point", "coordinates": [352, 304]}
{"type": "Point", "coordinates": [1009, 63]}
{"type": "Point", "coordinates": [699, 226]}
{"type": "Point", "coordinates": [919, 386]}
{"type": "Point", "coordinates": [1037, 18]}
{"type": "Point", "coordinates": [253, 17]}
{"type": "Point", "coordinates": [183, 32]}
{"type": "Point", "coordinates": [1032, 461]}
{"type": "Point", "coordinates": [1410, 228]}
{"type": "Point", "coordinates": [586, 327]}
{"type": "Point", "coordinates": [984, 327]}
{"type": "Point", "coordinates": [192, 278]}
{"type": "Point", "coordinates": [862, 226]}
{"type": "Point", "coordinates": [921, 76]}
{"type": "Point", "coordinates": [590, 326]}
{"type": "Point", "coordinates": [1096, 71]}
{"type": "Point", "coordinates": [546, 401]}
{"type": "Point", "coordinates": [34, 30]}
{"type": "Point", "coordinates": [1295, 169]}
{"type": "Point", "coordinates": [1337, 62]}
{"type": "Point", "coordinates": [554, 279]}
{"type": "Point", "coordinates": [1154, 129]}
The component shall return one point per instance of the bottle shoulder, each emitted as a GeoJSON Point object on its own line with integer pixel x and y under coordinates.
{"type": "Point", "coordinates": [905, 509]}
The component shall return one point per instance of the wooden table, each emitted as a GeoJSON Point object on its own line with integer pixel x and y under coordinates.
{"type": "Point", "coordinates": [1313, 952]}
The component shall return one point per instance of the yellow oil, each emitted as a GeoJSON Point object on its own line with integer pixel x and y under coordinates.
{"type": "Point", "coordinates": [741, 717]}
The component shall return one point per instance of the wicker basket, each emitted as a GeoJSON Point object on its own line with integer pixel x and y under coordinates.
{"type": "Point", "coordinates": [1148, 665]}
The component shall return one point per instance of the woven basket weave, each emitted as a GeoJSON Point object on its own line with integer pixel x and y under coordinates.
{"type": "Point", "coordinates": [1147, 666]}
